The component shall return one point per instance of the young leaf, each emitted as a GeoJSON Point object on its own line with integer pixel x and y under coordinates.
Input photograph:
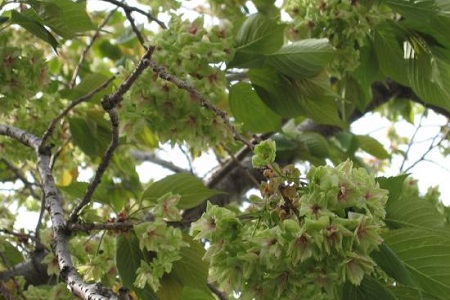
{"type": "Point", "coordinates": [190, 188]}
{"type": "Point", "coordinates": [247, 108]}
{"type": "Point", "coordinates": [302, 59]}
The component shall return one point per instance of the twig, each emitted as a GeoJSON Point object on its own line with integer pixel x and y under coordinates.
{"type": "Point", "coordinates": [102, 166]}
{"type": "Point", "coordinates": [37, 234]}
{"type": "Point", "coordinates": [114, 99]}
{"type": "Point", "coordinates": [22, 178]}
{"type": "Point", "coordinates": [88, 47]}
{"type": "Point", "coordinates": [136, 31]}
{"type": "Point", "coordinates": [136, 9]}
{"type": "Point", "coordinates": [109, 104]}
{"type": "Point", "coordinates": [188, 158]}
{"type": "Point", "coordinates": [238, 163]}
{"type": "Point", "coordinates": [411, 141]}
{"type": "Point", "coordinates": [144, 156]}
{"type": "Point", "coordinates": [162, 73]}
{"type": "Point", "coordinates": [74, 103]}
{"type": "Point", "coordinates": [112, 226]}
{"type": "Point", "coordinates": [221, 295]}
{"type": "Point", "coordinates": [22, 237]}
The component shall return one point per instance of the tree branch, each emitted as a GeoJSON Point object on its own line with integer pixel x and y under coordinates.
{"type": "Point", "coordinates": [150, 157]}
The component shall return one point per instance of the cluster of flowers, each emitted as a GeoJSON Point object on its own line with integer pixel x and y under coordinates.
{"type": "Point", "coordinates": [300, 238]}
{"type": "Point", "coordinates": [346, 23]}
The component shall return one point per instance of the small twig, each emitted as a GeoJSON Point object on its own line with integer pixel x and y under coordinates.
{"type": "Point", "coordinates": [3, 289]}
{"type": "Point", "coordinates": [101, 167]}
{"type": "Point", "coordinates": [109, 104]}
{"type": "Point", "coordinates": [188, 158]}
{"type": "Point", "coordinates": [74, 103]}
{"type": "Point", "coordinates": [37, 234]}
{"type": "Point", "coordinates": [114, 99]}
{"type": "Point", "coordinates": [21, 177]}
{"type": "Point", "coordinates": [88, 47]}
{"type": "Point", "coordinates": [136, 9]}
{"type": "Point", "coordinates": [411, 141]}
{"type": "Point", "coordinates": [150, 157]}
{"type": "Point", "coordinates": [22, 236]}
{"type": "Point", "coordinates": [162, 73]}
{"type": "Point", "coordinates": [244, 169]}
{"type": "Point", "coordinates": [136, 31]}
{"type": "Point", "coordinates": [221, 295]}
{"type": "Point", "coordinates": [112, 226]}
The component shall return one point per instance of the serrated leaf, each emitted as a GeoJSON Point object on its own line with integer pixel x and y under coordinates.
{"type": "Point", "coordinates": [388, 260]}
{"type": "Point", "coordinates": [302, 59]}
{"type": "Point", "coordinates": [248, 108]}
{"type": "Point", "coordinates": [426, 254]}
{"type": "Point", "coordinates": [372, 146]}
{"type": "Point", "coordinates": [370, 289]}
{"type": "Point", "coordinates": [34, 27]}
{"type": "Point", "coordinates": [128, 260]}
{"type": "Point", "coordinates": [190, 188]}
{"type": "Point", "coordinates": [394, 185]}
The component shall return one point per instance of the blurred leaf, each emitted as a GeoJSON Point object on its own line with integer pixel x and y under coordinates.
{"type": "Point", "coordinates": [91, 134]}
{"type": "Point", "coordinates": [302, 59]}
{"type": "Point", "coordinates": [190, 188]}
{"type": "Point", "coordinates": [33, 26]}
{"type": "Point", "coordinates": [316, 144]}
{"type": "Point", "coordinates": [195, 294]}
{"type": "Point", "coordinates": [88, 84]}
{"type": "Point", "coordinates": [247, 108]}
{"type": "Point", "coordinates": [128, 260]}
{"type": "Point", "coordinates": [11, 255]}
{"type": "Point", "coordinates": [370, 289]}
{"type": "Point", "coordinates": [372, 146]}
{"type": "Point", "coordinates": [426, 254]}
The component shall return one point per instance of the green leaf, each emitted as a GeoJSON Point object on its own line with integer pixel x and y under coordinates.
{"type": "Point", "coordinates": [372, 146]}
{"type": "Point", "coordinates": [34, 27]}
{"type": "Point", "coordinates": [389, 53]}
{"type": "Point", "coordinates": [393, 184]}
{"type": "Point", "coordinates": [426, 254]}
{"type": "Point", "coordinates": [88, 84]}
{"type": "Point", "coordinates": [190, 188]}
{"type": "Point", "coordinates": [259, 34]}
{"type": "Point", "coordinates": [388, 260]}
{"type": "Point", "coordinates": [191, 270]}
{"type": "Point", "coordinates": [277, 91]}
{"type": "Point", "coordinates": [315, 143]}
{"type": "Point", "coordinates": [75, 189]}
{"type": "Point", "coordinates": [369, 289]}
{"type": "Point", "coordinates": [247, 108]}
{"type": "Point", "coordinates": [11, 255]}
{"type": "Point", "coordinates": [91, 134]}
{"type": "Point", "coordinates": [302, 59]}
{"type": "Point", "coordinates": [128, 260]}
{"type": "Point", "coordinates": [412, 212]}
{"type": "Point", "coordinates": [67, 18]}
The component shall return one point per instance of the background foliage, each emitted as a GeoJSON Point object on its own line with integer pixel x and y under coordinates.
{"type": "Point", "coordinates": [266, 87]}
